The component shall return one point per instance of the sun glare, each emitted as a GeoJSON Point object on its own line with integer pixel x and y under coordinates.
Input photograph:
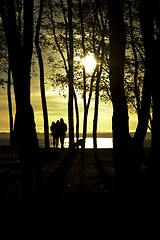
{"type": "Point", "coordinates": [89, 62]}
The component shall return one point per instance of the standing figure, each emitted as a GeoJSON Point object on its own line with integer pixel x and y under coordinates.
{"type": "Point", "coordinates": [62, 131]}
{"type": "Point", "coordinates": [57, 132]}
{"type": "Point", "coordinates": [53, 133]}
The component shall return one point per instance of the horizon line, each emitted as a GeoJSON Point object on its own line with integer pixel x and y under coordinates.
{"type": "Point", "coordinates": [90, 134]}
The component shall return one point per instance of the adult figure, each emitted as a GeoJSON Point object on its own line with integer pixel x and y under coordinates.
{"type": "Point", "coordinates": [53, 133]}
{"type": "Point", "coordinates": [57, 132]}
{"type": "Point", "coordinates": [62, 131]}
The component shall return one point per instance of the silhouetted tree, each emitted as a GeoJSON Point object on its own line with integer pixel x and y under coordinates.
{"type": "Point", "coordinates": [134, 59]}
{"type": "Point", "coordinates": [120, 110]}
{"type": "Point", "coordinates": [86, 103]}
{"type": "Point", "coordinates": [147, 28]}
{"type": "Point", "coordinates": [136, 89]}
{"type": "Point", "coordinates": [68, 64]}
{"type": "Point", "coordinates": [70, 76]}
{"type": "Point", "coordinates": [3, 54]}
{"type": "Point", "coordinates": [20, 54]}
{"type": "Point", "coordinates": [84, 72]}
{"type": "Point", "coordinates": [151, 23]}
{"type": "Point", "coordinates": [86, 39]}
{"type": "Point", "coordinates": [10, 106]}
{"type": "Point", "coordinates": [102, 23]}
{"type": "Point", "coordinates": [4, 62]}
{"type": "Point", "coordinates": [95, 120]}
{"type": "Point", "coordinates": [42, 85]}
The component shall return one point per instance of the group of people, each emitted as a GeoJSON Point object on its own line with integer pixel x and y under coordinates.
{"type": "Point", "coordinates": [58, 131]}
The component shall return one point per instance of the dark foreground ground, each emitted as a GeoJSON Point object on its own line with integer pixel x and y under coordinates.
{"type": "Point", "coordinates": [63, 175]}
{"type": "Point", "coordinates": [77, 198]}
{"type": "Point", "coordinates": [78, 179]}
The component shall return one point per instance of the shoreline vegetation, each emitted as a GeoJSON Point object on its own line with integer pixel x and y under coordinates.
{"type": "Point", "coordinates": [78, 180]}
{"type": "Point", "coordinates": [89, 135]}
{"type": "Point", "coordinates": [104, 140]}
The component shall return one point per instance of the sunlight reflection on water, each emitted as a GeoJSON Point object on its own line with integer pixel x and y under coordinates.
{"type": "Point", "coordinates": [101, 143]}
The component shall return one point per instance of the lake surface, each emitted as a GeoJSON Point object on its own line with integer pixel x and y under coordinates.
{"type": "Point", "coordinates": [101, 143]}
{"type": "Point", "coordinates": [106, 142]}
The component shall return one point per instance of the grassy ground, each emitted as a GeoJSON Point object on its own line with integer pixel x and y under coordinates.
{"type": "Point", "coordinates": [81, 180]}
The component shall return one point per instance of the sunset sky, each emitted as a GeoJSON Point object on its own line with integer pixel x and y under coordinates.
{"type": "Point", "coordinates": [57, 108]}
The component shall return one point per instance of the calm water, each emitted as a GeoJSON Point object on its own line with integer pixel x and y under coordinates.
{"type": "Point", "coordinates": [101, 142]}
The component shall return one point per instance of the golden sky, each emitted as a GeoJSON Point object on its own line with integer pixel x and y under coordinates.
{"type": "Point", "coordinates": [58, 105]}
{"type": "Point", "coordinates": [57, 108]}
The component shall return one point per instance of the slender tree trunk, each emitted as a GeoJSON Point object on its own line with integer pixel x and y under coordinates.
{"type": "Point", "coordinates": [42, 85]}
{"type": "Point", "coordinates": [136, 90]}
{"type": "Point", "coordinates": [84, 73]}
{"type": "Point", "coordinates": [70, 76]}
{"type": "Point", "coordinates": [87, 107]}
{"type": "Point", "coordinates": [154, 165]}
{"type": "Point", "coordinates": [120, 110]}
{"type": "Point", "coordinates": [69, 69]}
{"type": "Point", "coordinates": [20, 54]}
{"type": "Point", "coordinates": [85, 102]}
{"type": "Point", "coordinates": [77, 115]}
{"type": "Point", "coordinates": [95, 121]}
{"type": "Point", "coordinates": [10, 106]}
{"type": "Point", "coordinates": [147, 26]}
{"type": "Point", "coordinates": [154, 156]}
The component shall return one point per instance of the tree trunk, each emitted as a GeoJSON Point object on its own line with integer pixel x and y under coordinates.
{"type": "Point", "coordinates": [120, 110]}
{"type": "Point", "coordinates": [20, 54]}
{"type": "Point", "coordinates": [95, 121]}
{"type": "Point", "coordinates": [77, 115]}
{"type": "Point", "coordinates": [10, 106]}
{"type": "Point", "coordinates": [70, 77]}
{"type": "Point", "coordinates": [154, 156]}
{"type": "Point", "coordinates": [84, 73]}
{"type": "Point", "coordinates": [87, 108]}
{"type": "Point", "coordinates": [136, 90]}
{"type": "Point", "coordinates": [42, 85]}
{"type": "Point", "coordinates": [147, 27]}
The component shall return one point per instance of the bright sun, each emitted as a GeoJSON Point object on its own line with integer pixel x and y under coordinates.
{"type": "Point", "coordinates": [89, 62]}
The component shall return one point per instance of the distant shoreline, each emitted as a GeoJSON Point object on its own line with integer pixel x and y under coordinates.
{"type": "Point", "coordinates": [89, 135]}
{"type": "Point", "coordinates": [104, 140]}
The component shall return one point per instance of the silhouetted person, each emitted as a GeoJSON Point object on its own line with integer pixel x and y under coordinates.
{"type": "Point", "coordinates": [62, 131]}
{"type": "Point", "coordinates": [57, 132]}
{"type": "Point", "coordinates": [53, 133]}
